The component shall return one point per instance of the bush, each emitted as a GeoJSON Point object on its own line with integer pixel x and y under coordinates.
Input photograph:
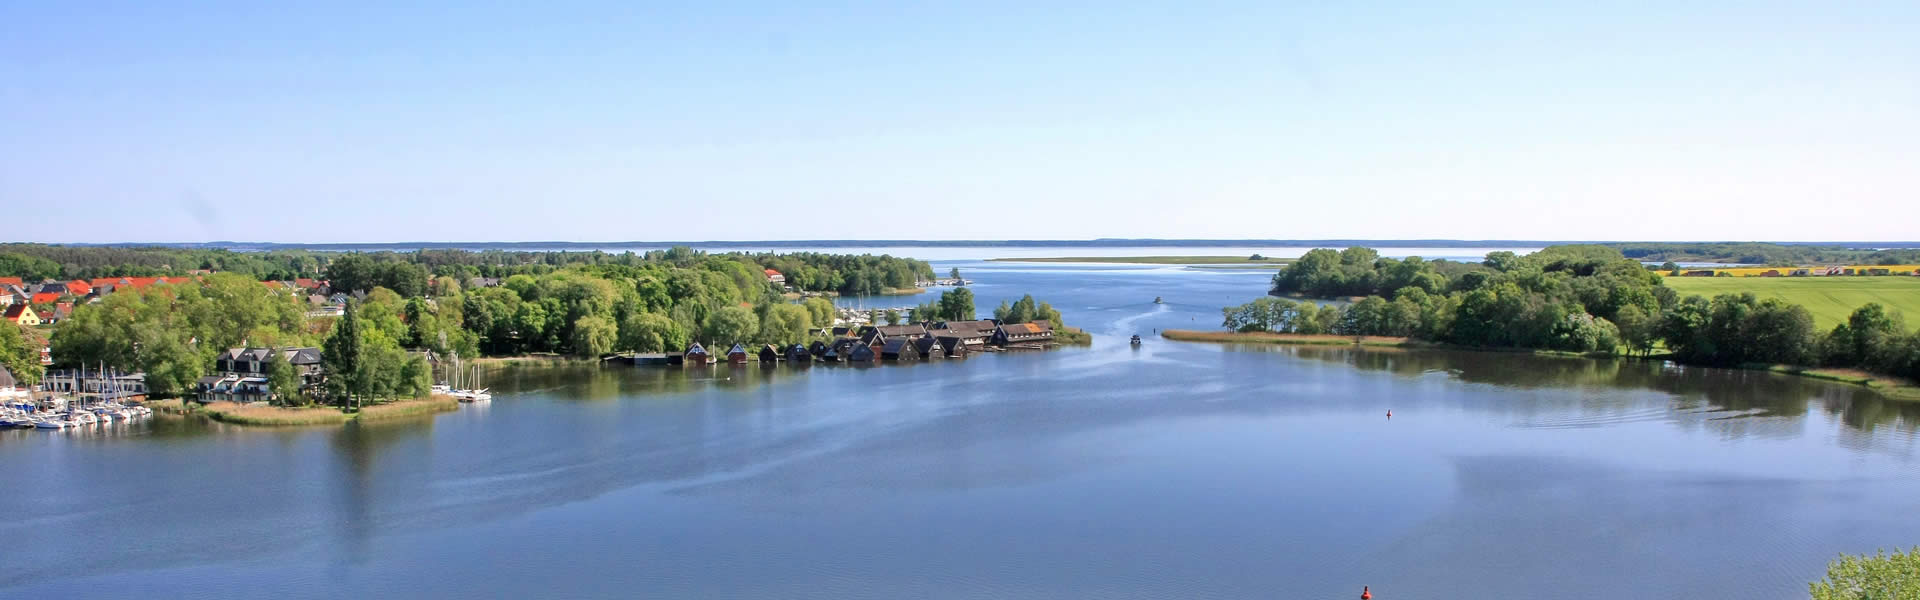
{"type": "Point", "coordinates": [1879, 577]}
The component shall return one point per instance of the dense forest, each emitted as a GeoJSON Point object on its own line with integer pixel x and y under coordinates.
{"type": "Point", "coordinates": [1571, 298]}
{"type": "Point", "coordinates": [404, 272]}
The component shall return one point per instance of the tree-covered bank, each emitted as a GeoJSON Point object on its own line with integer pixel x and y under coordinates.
{"type": "Point", "coordinates": [1567, 298]}
{"type": "Point", "coordinates": [401, 271]}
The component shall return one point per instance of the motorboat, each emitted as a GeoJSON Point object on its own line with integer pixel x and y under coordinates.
{"type": "Point", "coordinates": [51, 423]}
{"type": "Point", "coordinates": [1136, 340]}
{"type": "Point", "coordinates": [83, 417]}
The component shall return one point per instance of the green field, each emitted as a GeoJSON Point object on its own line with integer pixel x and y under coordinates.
{"type": "Point", "coordinates": [1154, 260]}
{"type": "Point", "coordinates": [1830, 298]}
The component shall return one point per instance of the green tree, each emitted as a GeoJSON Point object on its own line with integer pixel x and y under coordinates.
{"type": "Point", "coordinates": [893, 316]}
{"type": "Point", "coordinates": [593, 336]}
{"type": "Point", "coordinates": [732, 324]}
{"type": "Point", "coordinates": [340, 357]}
{"type": "Point", "coordinates": [1638, 330]}
{"type": "Point", "coordinates": [19, 356]}
{"type": "Point", "coordinates": [957, 305]}
{"type": "Point", "coordinates": [1882, 576]}
{"type": "Point", "coordinates": [821, 309]}
{"type": "Point", "coordinates": [784, 324]}
{"type": "Point", "coordinates": [284, 382]}
{"type": "Point", "coordinates": [651, 332]}
{"type": "Point", "coordinates": [954, 273]}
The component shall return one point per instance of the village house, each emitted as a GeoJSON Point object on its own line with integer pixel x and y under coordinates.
{"type": "Point", "coordinates": [241, 374]}
{"type": "Point", "coordinates": [21, 314]}
{"type": "Point", "coordinates": [776, 278]}
{"type": "Point", "coordinates": [45, 298]}
{"type": "Point", "coordinates": [60, 313]}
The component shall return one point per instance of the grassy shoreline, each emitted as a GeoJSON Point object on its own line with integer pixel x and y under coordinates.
{"type": "Point", "coordinates": [1300, 339]}
{"type": "Point", "coordinates": [1891, 387]}
{"type": "Point", "coordinates": [281, 416]}
{"type": "Point", "coordinates": [1152, 260]}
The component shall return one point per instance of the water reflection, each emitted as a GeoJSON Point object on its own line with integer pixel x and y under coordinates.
{"type": "Point", "coordinates": [1745, 393]}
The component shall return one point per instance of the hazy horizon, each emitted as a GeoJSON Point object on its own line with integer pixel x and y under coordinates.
{"type": "Point", "coordinates": [335, 123]}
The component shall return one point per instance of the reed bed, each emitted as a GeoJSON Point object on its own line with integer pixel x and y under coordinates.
{"type": "Point", "coordinates": [409, 408]}
{"type": "Point", "coordinates": [257, 414]}
{"type": "Point", "coordinates": [1267, 337]}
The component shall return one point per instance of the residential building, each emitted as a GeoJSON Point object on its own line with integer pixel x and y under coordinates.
{"type": "Point", "coordinates": [241, 374]}
{"type": "Point", "coordinates": [21, 314]}
{"type": "Point", "coordinates": [776, 277]}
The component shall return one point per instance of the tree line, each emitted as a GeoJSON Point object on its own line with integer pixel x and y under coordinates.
{"type": "Point", "coordinates": [1573, 298]}
{"type": "Point", "coordinates": [405, 272]}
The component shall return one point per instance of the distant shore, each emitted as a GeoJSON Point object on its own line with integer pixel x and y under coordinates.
{"type": "Point", "coordinates": [1298, 339]}
{"type": "Point", "coordinates": [1156, 260]}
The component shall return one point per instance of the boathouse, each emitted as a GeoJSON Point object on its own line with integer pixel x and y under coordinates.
{"type": "Point", "coordinates": [1037, 332]}
{"type": "Point", "coordinates": [860, 353]}
{"type": "Point", "coordinates": [898, 349]}
{"type": "Point", "coordinates": [769, 354]}
{"type": "Point", "coordinates": [799, 354]}
{"type": "Point", "coordinates": [737, 354]}
{"type": "Point", "coordinates": [953, 347]}
{"type": "Point", "coordinates": [818, 348]}
{"type": "Point", "coordinates": [929, 348]}
{"type": "Point", "coordinates": [696, 355]}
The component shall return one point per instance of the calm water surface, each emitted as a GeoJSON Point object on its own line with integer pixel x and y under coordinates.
{"type": "Point", "coordinates": [1168, 471]}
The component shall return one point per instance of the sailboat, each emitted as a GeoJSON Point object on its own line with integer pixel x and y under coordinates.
{"type": "Point", "coordinates": [467, 395]}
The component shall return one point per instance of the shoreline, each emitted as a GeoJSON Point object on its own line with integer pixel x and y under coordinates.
{"type": "Point", "coordinates": [1295, 339]}
{"type": "Point", "coordinates": [1155, 260]}
{"type": "Point", "coordinates": [1891, 388]}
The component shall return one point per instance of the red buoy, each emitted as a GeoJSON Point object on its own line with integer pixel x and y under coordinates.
{"type": "Point", "coordinates": [1366, 593]}
{"type": "Point", "coordinates": [1389, 413]}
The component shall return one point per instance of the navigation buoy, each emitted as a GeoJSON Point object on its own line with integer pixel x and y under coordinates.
{"type": "Point", "coordinates": [1389, 413]}
{"type": "Point", "coordinates": [1366, 593]}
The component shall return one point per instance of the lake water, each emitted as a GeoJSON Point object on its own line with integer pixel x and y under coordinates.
{"type": "Point", "coordinates": [1168, 471]}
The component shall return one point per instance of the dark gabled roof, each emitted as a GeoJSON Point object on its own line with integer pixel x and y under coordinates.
{"type": "Point", "coordinates": [896, 346]}
{"type": "Point", "coordinates": [982, 326]}
{"type": "Point", "coordinates": [928, 344]}
{"type": "Point", "coordinates": [860, 352]}
{"type": "Point", "coordinates": [871, 337]}
{"type": "Point", "coordinates": [301, 356]}
{"type": "Point", "coordinates": [840, 331]}
{"type": "Point", "coordinates": [902, 330]}
{"type": "Point", "coordinates": [15, 310]}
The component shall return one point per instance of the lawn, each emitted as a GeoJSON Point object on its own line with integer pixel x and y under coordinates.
{"type": "Point", "coordinates": [1830, 298]}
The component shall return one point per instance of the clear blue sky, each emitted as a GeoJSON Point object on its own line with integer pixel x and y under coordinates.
{"type": "Point", "coordinates": [804, 120]}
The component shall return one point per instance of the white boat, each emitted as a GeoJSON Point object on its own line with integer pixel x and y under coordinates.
{"type": "Point", "coordinates": [105, 416]}
{"type": "Point", "coordinates": [50, 423]}
{"type": "Point", "coordinates": [83, 418]}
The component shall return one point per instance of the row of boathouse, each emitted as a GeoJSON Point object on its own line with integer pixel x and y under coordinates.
{"type": "Point", "coordinates": [883, 343]}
